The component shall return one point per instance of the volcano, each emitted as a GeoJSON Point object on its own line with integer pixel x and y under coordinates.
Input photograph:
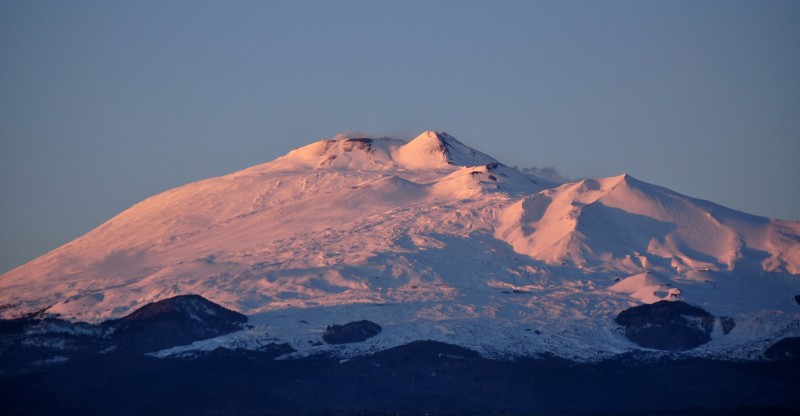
{"type": "Point", "coordinates": [432, 241]}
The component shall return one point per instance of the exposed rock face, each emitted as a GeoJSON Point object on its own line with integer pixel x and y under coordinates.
{"type": "Point", "coordinates": [785, 349]}
{"type": "Point", "coordinates": [30, 342]}
{"type": "Point", "coordinates": [665, 325]}
{"type": "Point", "coordinates": [727, 324]}
{"type": "Point", "coordinates": [175, 321]}
{"type": "Point", "coordinates": [351, 332]}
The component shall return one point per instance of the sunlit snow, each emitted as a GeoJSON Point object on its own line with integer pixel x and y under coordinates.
{"type": "Point", "coordinates": [432, 240]}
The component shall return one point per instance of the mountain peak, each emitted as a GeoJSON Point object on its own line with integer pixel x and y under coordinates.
{"type": "Point", "coordinates": [341, 153]}
{"type": "Point", "coordinates": [428, 150]}
{"type": "Point", "coordinates": [436, 139]}
{"type": "Point", "coordinates": [419, 235]}
{"type": "Point", "coordinates": [432, 149]}
{"type": "Point", "coordinates": [431, 134]}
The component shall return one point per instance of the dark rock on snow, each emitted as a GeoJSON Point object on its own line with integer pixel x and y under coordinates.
{"type": "Point", "coordinates": [727, 324]}
{"type": "Point", "coordinates": [667, 325]}
{"type": "Point", "coordinates": [36, 341]}
{"type": "Point", "coordinates": [175, 321]}
{"type": "Point", "coordinates": [351, 332]}
{"type": "Point", "coordinates": [79, 373]}
{"type": "Point", "coordinates": [785, 349]}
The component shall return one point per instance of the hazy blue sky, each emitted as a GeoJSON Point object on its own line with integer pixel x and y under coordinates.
{"type": "Point", "coordinates": [104, 103]}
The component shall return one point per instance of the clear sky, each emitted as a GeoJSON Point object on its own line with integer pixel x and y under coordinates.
{"type": "Point", "coordinates": [104, 103]}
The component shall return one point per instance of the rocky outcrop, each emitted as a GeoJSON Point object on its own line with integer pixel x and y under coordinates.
{"type": "Point", "coordinates": [727, 324]}
{"type": "Point", "coordinates": [351, 332]}
{"type": "Point", "coordinates": [666, 325]}
{"type": "Point", "coordinates": [785, 349]}
{"type": "Point", "coordinates": [175, 321]}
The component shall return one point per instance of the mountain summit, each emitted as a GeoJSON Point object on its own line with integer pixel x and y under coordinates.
{"type": "Point", "coordinates": [429, 150]}
{"type": "Point", "coordinates": [434, 150]}
{"type": "Point", "coordinates": [431, 240]}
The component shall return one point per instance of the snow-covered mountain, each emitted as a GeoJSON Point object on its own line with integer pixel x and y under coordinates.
{"type": "Point", "coordinates": [432, 240]}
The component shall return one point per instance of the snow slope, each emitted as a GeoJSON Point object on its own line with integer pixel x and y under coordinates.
{"type": "Point", "coordinates": [432, 240]}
